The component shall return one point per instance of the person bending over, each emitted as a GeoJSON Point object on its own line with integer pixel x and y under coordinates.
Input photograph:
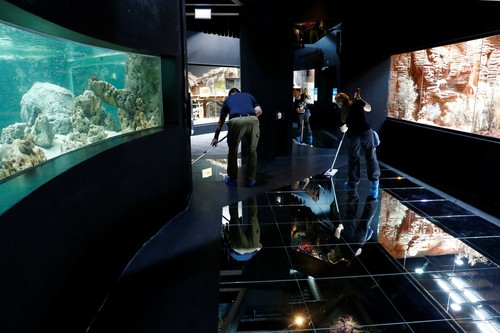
{"type": "Point", "coordinates": [243, 110]}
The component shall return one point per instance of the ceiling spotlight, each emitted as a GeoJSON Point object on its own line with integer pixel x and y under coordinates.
{"type": "Point", "coordinates": [299, 320]}
{"type": "Point", "coordinates": [203, 13]}
{"type": "Point", "coordinates": [279, 200]}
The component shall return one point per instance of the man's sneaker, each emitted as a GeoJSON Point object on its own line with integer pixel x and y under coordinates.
{"type": "Point", "coordinates": [348, 186]}
{"type": "Point", "coordinates": [231, 183]}
{"type": "Point", "coordinates": [309, 140]}
{"type": "Point", "coordinates": [369, 234]}
{"type": "Point", "coordinates": [252, 183]}
{"type": "Point", "coordinates": [374, 189]}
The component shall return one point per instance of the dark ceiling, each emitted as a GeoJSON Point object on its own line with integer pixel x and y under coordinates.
{"type": "Point", "coordinates": [224, 21]}
{"type": "Point", "coordinates": [226, 13]}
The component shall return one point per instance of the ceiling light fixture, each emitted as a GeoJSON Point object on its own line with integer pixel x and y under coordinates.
{"type": "Point", "coordinates": [203, 13]}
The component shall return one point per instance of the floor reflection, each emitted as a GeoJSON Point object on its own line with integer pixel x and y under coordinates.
{"type": "Point", "coordinates": [312, 257]}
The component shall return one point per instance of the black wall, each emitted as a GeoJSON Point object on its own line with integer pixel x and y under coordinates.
{"type": "Point", "coordinates": [463, 166]}
{"type": "Point", "coordinates": [266, 47]}
{"type": "Point", "coordinates": [213, 50]}
{"type": "Point", "coordinates": [78, 219]}
{"type": "Point", "coordinates": [65, 244]}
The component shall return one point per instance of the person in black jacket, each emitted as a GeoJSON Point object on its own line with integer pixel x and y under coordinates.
{"type": "Point", "coordinates": [304, 132]}
{"type": "Point", "coordinates": [360, 137]}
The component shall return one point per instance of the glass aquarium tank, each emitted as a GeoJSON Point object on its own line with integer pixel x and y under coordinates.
{"type": "Point", "coordinates": [58, 95]}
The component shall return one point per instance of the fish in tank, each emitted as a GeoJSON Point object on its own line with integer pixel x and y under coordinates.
{"type": "Point", "coordinates": [59, 95]}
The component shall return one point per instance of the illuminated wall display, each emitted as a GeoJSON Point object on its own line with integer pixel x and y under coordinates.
{"type": "Point", "coordinates": [305, 80]}
{"type": "Point", "coordinates": [455, 86]}
{"type": "Point", "coordinates": [209, 86]}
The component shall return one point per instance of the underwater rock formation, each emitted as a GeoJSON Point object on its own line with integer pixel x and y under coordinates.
{"type": "Point", "coordinates": [12, 132]}
{"type": "Point", "coordinates": [90, 105]}
{"type": "Point", "coordinates": [55, 102]}
{"type": "Point", "coordinates": [139, 104]}
{"type": "Point", "coordinates": [42, 132]}
{"type": "Point", "coordinates": [143, 76]}
{"type": "Point", "coordinates": [19, 155]}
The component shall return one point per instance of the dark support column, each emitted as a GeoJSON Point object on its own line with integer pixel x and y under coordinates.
{"type": "Point", "coordinates": [266, 45]}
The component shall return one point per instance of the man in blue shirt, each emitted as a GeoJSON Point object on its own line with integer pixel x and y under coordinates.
{"type": "Point", "coordinates": [243, 110]}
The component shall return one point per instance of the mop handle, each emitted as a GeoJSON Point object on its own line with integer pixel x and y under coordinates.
{"type": "Point", "coordinates": [222, 138]}
{"type": "Point", "coordinates": [302, 130]}
{"type": "Point", "coordinates": [206, 151]}
{"type": "Point", "coordinates": [335, 198]}
{"type": "Point", "coordinates": [338, 149]}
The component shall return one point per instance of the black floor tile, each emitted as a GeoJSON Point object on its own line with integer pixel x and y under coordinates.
{"type": "Point", "coordinates": [411, 194]}
{"type": "Point", "coordinates": [410, 301]}
{"type": "Point", "coordinates": [488, 246]}
{"type": "Point", "coordinates": [377, 261]}
{"type": "Point", "coordinates": [478, 325]}
{"type": "Point", "coordinates": [398, 183]}
{"type": "Point", "coordinates": [442, 326]}
{"type": "Point", "coordinates": [467, 226]}
{"type": "Point", "coordinates": [436, 208]}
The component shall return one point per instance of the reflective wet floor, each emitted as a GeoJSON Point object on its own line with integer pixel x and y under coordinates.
{"type": "Point", "coordinates": [311, 256]}
{"type": "Point", "coordinates": [298, 253]}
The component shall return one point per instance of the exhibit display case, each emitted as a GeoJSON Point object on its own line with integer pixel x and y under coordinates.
{"type": "Point", "coordinates": [305, 80]}
{"type": "Point", "coordinates": [58, 95]}
{"type": "Point", "coordinates": [454, 86]}
{"type": "Point", "coordinates": [209, 86]}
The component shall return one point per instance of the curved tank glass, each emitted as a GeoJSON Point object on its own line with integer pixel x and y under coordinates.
{"type": "Point", "coordinates": [59, 95]}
